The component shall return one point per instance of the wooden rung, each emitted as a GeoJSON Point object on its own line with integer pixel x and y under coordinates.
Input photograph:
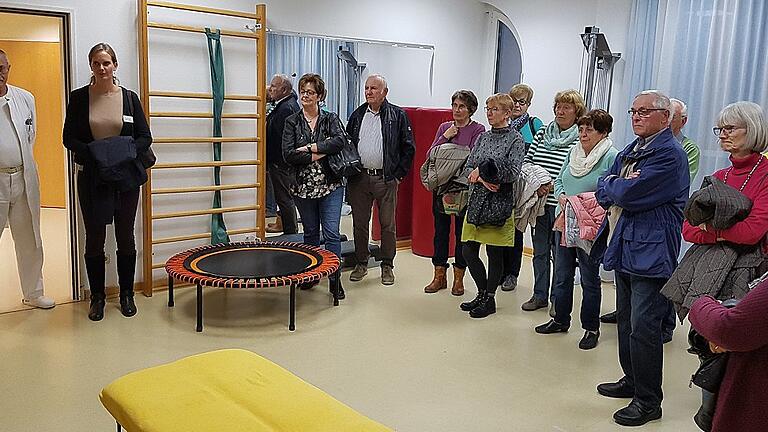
{"type": "Point", "coordinates": [205, 188]}
{"type": "Point", "coordinates": [202, 9]}
{"type": "Point", "coordinates": [167, 140]}
{"type": "Point", "coordinates": [207, 164]}
{"type": "Point", "coordinates": [201, 236]}
{"type": "Point", "coordinates": [191, 29]}
{"type": "Point", "coordinates": [193, 95]}
{"type": "Point", "coordinates": [204, 115]}
{"type": "Point", "coordinates": [205, 212]}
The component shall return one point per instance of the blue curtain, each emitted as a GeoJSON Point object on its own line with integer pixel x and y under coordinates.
{"type": "Point", "coordinates": [709, 54]}
{"type": "Point", "coordinates": [297, 55]}
{"type": "Point", "coordinates": [639, 70]}
{"type": "Point", "coordinates": [721, 59]}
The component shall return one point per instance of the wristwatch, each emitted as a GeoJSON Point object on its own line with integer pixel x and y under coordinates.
{"type": "Point", "coordinates": [309, 148]}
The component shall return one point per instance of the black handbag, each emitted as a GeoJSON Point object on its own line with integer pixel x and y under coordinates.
{"type": "Point", "coordinates": [345, 163]}
{"type": "Point", "coordinates": [147, 158]}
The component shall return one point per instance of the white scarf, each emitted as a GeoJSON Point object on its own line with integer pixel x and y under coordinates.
{"type": "Point", "coordinates": [581, 163]}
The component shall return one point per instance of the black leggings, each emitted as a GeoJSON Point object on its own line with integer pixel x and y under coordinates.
{"type": "Point", "coordinates": [124, 219]}
{"type": "Point", "coordinates": [485, 283]}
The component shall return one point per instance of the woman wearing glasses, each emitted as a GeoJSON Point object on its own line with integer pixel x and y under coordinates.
{"type": "Point", "coordinates": [527, 125]}
{"type": "Point", "coordinates": [494, 165]}
{"type": "Point", "coordinates": [462, 130]}
{"type": "Point", "coordinates": [742, 130]}
{"type": "Point", "coordinates": [309, 136]}
{"type": "Point", "coordinates": [550, 147]}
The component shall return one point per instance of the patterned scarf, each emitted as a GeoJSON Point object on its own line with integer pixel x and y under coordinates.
{"type": "Point", "coordinates": [555, 138]}
{"type": "Point", "coordinates": [519, 122]}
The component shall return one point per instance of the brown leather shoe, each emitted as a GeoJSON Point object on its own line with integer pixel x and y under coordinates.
{"type": "Point", "coordinates": [276, 227]}
{"type": "Point", "coordinates": [458, 281]}
{"type": "Point", "coordinates": [439, 281]}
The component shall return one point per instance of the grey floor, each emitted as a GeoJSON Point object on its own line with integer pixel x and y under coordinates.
{"type": "Point", "coordinates": [409, 360]}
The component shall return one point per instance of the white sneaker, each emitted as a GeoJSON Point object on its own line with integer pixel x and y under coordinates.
{"type": "Point", "coordinates": [41, 302]}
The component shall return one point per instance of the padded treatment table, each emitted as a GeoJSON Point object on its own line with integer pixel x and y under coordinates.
{"type": "Point", "coordinates": [251, 265]}
{"type": "Point", "coordinates": [226, 391]}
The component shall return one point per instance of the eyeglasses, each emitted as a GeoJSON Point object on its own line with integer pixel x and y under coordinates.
{"type": "Point", "coordinates": [459, 106]}
{"type": "Point", "coordinates": [308, 92]}
{"type": "Point", "coordinates": [522, 102]}
{"type": "Point", "coordinates": [493, 109]}
{"type": "Point", "coordinates": [725, 130]}
{"type": "Point", "coordinates": [644, 112]}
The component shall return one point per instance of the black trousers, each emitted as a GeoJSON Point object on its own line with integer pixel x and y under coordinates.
{"type": "Point", "coordinates": [441, 242]}
{"type": "Point", "coordinates": [281, 185]}
{"type": "Point", "coordinates": [485, 282]}
{"type": "Point", "coordinates": [124, 218]}
{"type": "Point", "coordinates": [513, 256]}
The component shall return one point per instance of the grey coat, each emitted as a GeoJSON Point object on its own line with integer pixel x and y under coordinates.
{"type": "Point", "coordinates": [499, 155]}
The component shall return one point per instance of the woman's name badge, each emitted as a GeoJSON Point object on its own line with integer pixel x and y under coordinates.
{"type": "Point", "coordinates": [127, 119]}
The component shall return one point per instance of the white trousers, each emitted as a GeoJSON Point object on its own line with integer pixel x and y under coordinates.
{"type": "Point", "coordinates": [14, 208]}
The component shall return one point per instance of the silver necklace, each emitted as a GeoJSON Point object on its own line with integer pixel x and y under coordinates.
{"type": "Point", "coordinates": [741, 189]}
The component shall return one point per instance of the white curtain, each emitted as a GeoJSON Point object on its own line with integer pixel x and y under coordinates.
{"type": "Point", "coordinates": [295, 55]}
{"type": "Point", "coordinates": [708, 53]}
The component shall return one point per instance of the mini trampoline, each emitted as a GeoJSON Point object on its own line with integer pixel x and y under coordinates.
{"type": "Point", "coordinates": [251, 265]}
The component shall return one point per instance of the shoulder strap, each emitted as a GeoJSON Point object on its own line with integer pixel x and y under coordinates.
{"type": "Point", "coordinates": [530, 126]}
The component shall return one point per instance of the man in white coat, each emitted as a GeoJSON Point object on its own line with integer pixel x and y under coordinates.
{"type": "Point", "coordinates": [19, 187]}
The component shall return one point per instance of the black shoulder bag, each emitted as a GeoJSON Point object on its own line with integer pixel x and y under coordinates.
{"type": "Point", "coordinates": [345, 163]}
{"type": "Point", "coordinates": [147, 158]}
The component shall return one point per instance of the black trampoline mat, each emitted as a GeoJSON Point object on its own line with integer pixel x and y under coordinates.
{"type": "Point", "coordinates": [252, 262]}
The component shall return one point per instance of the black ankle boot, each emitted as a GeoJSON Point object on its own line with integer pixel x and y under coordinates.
{"type": "Point", "coordinates": [94, 267]}
{"type": "Point", "coordinates": [127, 305]}
{"type": "Point", "coordinates": [468, 306]}
{"type": "Point", "coordinates": [335, 287]}
{"type": "Point", "coordinates": [126, 269]}
{"type": "Point", "coordinates": [96, 311]}
{"type": "Point", "coordinates": [486, 307]}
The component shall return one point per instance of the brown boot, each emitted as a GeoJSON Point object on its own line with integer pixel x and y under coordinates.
{"type": "Point", "coordinates": [458, 281]}
{"type": "Point", "coordinates": [439, 282]}
{"type": "Point", "coordinates": [276, 227]}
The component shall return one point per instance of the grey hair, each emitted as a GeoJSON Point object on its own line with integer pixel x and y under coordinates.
{"type": "Point", "coordinates": [2, 53]}
{"type": "Point", "coordinates": [749, 115]}
{"type": "Point", "coordinates": [379, 77]}
{"type": "Point", "coordinates": [286, 81]}
{"type": "Point", "coordinates": [682, 105]}
{"type": "Point", "coordinates": [661, 100]}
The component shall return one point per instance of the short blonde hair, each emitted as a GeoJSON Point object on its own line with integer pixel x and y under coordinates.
{"type": "Point", "coordinates": [501, 99]}
{"type": "Point", "coordinates": [751, 116]}
{"type": "Point", "coordinates": [521, 91]}
{"type": "Point", "coordinates": [572, 97]}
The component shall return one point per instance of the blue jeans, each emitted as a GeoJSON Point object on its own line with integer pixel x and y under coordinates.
{"type": "Point", "coordinates": [641, 309]}
{"type": "Point", "coordinates": [325, 212]}
{"type": "Point", "coordinates": [562, 292]}
{"type": "Point", "coordinates": [543, 250]}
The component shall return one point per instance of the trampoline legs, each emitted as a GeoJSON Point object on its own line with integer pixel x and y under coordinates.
{"type": "Point", "coordinates": [199, 308]}
{"type": "Point", "coordinates": [292, 312]}
{"type": "Point", "coordinates": [170, 291]}
{"type": "Point", "coordinates": [335, 282]}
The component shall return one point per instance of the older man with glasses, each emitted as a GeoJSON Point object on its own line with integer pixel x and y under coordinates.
{"type": "Point", "coordinates": [644, 192]}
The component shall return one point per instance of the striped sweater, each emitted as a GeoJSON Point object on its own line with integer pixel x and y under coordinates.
{"type": "Point", "coordinates": [551, 160]}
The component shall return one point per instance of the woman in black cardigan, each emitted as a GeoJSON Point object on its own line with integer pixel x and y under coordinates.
{"type": "Point", "coordinates": [104, 123]}
{"type": "Point", "coordinates": [308, 137]}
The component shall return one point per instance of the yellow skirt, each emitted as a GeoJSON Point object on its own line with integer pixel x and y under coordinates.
{"type": "Point", "coordinates": [490, 235]}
